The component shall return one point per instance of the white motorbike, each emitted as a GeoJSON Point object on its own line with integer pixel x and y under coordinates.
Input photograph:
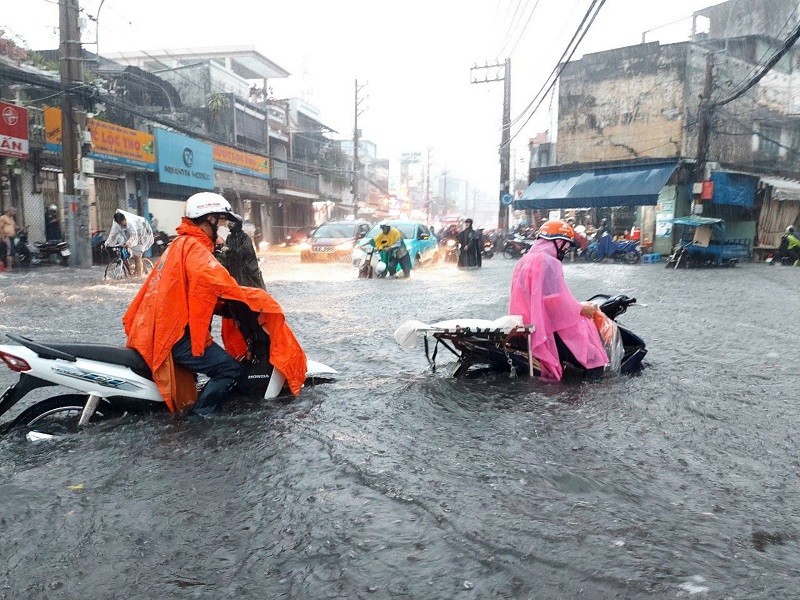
{"type": "Point", "coordinates": [107, 382]}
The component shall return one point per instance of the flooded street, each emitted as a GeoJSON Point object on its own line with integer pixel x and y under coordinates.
{"type": "Point", "coordinates": [393, 482]}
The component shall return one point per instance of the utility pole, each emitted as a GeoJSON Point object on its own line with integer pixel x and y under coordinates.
{"type": "Point", "coordinates": [71, 55]}
{"type": "Point", "coordinates": [704, 119]}
{"type": "Point", "coordinates": [428, 188]}
{"type": "Point", "coordinates": [356, 135]}
{"type": "Point", "coordinates": [444, 173]}
{"type": "Point", "coordinates": [491, 73]}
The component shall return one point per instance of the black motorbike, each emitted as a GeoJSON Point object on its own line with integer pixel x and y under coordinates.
{"type": "Point", "coordinates": [160, 242]}
{"type": "Point", "coordinates": [49, 252]}
{"type": "Point", "coordinates": [488, 248]}
{"type": "Point", "coordinates": [516, 246]}
{"type": "Point", "coordinates": [451, 248]}
{"type": "Point", "coordinates": [485, 351]}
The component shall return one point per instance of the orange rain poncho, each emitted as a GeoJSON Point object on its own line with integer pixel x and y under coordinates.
{"type": "Point", "coordinates": [184, 289]}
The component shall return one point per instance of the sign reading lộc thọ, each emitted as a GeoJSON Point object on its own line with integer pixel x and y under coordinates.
{"type": "Point", "coordinates": [184, 161]}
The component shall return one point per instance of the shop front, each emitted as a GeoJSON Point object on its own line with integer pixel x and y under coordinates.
{"type": "Point", "coordinates": [244, 179]}
{"type": "Point", "coordinates": [185, 166]}
{"type": "Point", "coordinates": [627, 194]}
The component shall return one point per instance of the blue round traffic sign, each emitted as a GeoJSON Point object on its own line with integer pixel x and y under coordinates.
{"type": "Point", "coordinates": [507, 199]}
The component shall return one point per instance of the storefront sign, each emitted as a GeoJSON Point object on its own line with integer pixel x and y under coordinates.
{"type": "Point", "coordinates": [665, 210]}
{"type": "Point", "coordinates": [229, 159]}
{"type": "Point", "coordinates": [52, 129]}
{"type": "Point", "coordinates": [184, 161]}
{"type": "Point", "coordinates": [13, 130]}
{"type": "Point", "coordinates": [115, 144]}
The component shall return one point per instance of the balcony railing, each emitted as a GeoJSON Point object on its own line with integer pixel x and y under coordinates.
{"type": "Point", "coordinates": [304, 181]}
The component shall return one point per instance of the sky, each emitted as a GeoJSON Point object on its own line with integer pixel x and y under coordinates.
{"type": "Point", "coordinates": [414, 58]}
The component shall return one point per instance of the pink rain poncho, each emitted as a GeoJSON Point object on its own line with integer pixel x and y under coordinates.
{"type": "Point", "coordinates": [541, 296]}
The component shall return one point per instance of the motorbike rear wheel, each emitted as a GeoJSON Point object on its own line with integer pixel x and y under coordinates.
{"type": "Point", "coordinates": [594, 256]}
{"type": "Point", "coordinates": [59, 415]}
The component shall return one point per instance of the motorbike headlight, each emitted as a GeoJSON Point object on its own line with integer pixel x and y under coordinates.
{"type": "Point", "coordinates": [304, 246]}
{"type": "Point", "coordinates": [345, 246]}
{"type": "Point", "coordinates": [451, 243]}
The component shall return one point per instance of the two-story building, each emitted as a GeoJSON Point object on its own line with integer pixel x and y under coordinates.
{"type": "Point", "coordinates": [628, 128]}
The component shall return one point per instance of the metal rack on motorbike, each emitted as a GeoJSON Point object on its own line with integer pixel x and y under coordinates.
{"type": "Point", "coordinates": [484, 346]}
{"type": "Point", "coordinates": [704, 243]}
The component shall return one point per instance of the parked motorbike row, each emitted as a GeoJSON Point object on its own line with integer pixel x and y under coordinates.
{"type": "Point", "coordinates": [517, 245]}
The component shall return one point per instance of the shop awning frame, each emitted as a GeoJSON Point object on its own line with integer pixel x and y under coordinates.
{"type": "Point", "coordinates": [600, 186]}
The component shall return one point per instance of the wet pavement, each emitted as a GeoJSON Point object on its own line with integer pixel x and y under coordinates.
{"type": "Point", "coordinates": [395, 483]}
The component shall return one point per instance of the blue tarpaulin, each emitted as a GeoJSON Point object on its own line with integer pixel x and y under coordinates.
{"type": "Point", "coordinates": [734, 188]}
{"type": "Point", "coordinates": [583, 188]}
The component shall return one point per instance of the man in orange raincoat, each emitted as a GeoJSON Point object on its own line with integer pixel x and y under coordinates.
{"type": "Point", "coordinates": [169, 320]}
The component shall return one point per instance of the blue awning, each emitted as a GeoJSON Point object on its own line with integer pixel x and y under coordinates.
{"type": "Point", "coordinates": [582, 188]}
{"type": "Point", "coordinates": [735, 189]}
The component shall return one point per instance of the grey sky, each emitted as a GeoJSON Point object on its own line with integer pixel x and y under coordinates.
{"type": "Point", "coordinates": [415, 56]}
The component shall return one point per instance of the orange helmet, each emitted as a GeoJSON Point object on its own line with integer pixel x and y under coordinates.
{"type": "Point", "coordinates": [557, 230]}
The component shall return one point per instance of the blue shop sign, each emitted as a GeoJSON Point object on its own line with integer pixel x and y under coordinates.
{"type": "Point", "coordinates": [184, 161]}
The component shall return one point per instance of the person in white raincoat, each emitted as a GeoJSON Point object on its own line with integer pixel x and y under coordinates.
{"type": "Point", "coordinates": [134, 233]}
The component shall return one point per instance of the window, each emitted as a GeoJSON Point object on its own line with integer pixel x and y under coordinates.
{"type": "Point", "coordinates": [769, 141]}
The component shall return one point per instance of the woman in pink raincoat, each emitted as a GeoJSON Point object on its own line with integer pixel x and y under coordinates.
{"type": "Point", "coordinates": [565, 329]}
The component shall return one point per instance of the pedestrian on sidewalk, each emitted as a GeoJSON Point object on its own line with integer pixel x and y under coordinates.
{"type": "Point", "coordinates": [8, 229]}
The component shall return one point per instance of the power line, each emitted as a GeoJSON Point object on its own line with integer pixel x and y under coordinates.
{"type": "Point", "coordinates": [560, 67]}
{"type": "Point", "coordinates": [522, 33]}
{"type": "Point", "coordinates": [512, 25]}
{"type": "Point", "coordinates": [766, 51]}
{"type": "Point", "coordinates": [560, 60]}
{"type": "Point", "coordinates": [785, 47]}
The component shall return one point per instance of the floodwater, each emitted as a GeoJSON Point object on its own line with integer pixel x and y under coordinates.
{"type": "Point", "coordinates": [393, 482]}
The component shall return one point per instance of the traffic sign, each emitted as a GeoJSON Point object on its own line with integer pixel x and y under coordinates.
{"type": "Point", "coordinates": [507, 199]}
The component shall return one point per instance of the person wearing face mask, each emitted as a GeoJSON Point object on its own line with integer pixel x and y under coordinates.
{"type": "Point", "coordinates": [564, 328]}
{"type": "Point", "coordinates": [169, 320]}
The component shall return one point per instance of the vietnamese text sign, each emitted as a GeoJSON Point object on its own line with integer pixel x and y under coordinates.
{"type": "Point", "coordinates": [13, 130]}
{"type": "Point", "coordinates": [52, 128]}
{"type": "Point", "coordinates": [112, 143]}
{"type": "Point", "coordinates": [184, 161]}
{"type": "Point", "coordinates": [230, 159]}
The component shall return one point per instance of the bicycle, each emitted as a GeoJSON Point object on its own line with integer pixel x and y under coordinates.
{"type": "Point", "coordinates": [121, 267]}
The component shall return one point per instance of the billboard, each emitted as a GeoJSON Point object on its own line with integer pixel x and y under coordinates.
{"type": "Point", "coordinates": [244, 163]}
{"type": "Point", "coordinates": [115, 144]}
{"type": "Point", "coordinates": [13, 130]}
{"type": "Point", "coordinates": [184, 161]}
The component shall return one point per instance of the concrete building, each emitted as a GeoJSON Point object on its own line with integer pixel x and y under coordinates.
{"type": "Point", "coordinates": [631, 106]}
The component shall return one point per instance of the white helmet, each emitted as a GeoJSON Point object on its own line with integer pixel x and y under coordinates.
{"type": "Point", "coordinates": [381, 268]}
{"type": "Point", "coordinates": [209, 203]}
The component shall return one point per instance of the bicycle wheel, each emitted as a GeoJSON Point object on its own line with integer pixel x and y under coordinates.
{"type": "Point", "coordinates": [147, 266]}
{"type": "Point", "coordinates": [115, 270]}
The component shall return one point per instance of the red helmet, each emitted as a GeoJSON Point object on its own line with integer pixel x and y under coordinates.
{"type": "Point", "coordinates": [557, 230]}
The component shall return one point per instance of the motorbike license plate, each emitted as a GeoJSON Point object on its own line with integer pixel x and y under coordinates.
{"type": "Point", "coordinates": [66, 252]}
{"type": "Point", "coordinates": [323, 248]}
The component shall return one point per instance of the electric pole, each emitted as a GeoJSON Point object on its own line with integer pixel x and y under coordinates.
{"type": "Point", "coordinates": [704, 119]}
{"type": "Point", "coordinates": [428, 188]}
{"type": "Point", "coordinates": [491, 73]}
{"type": "Point", "coordinates": [444, 174]}
{"type": "Point", "coordinates": [356, 135]}
{"type": "Point", "coordinates": [71, 55]}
